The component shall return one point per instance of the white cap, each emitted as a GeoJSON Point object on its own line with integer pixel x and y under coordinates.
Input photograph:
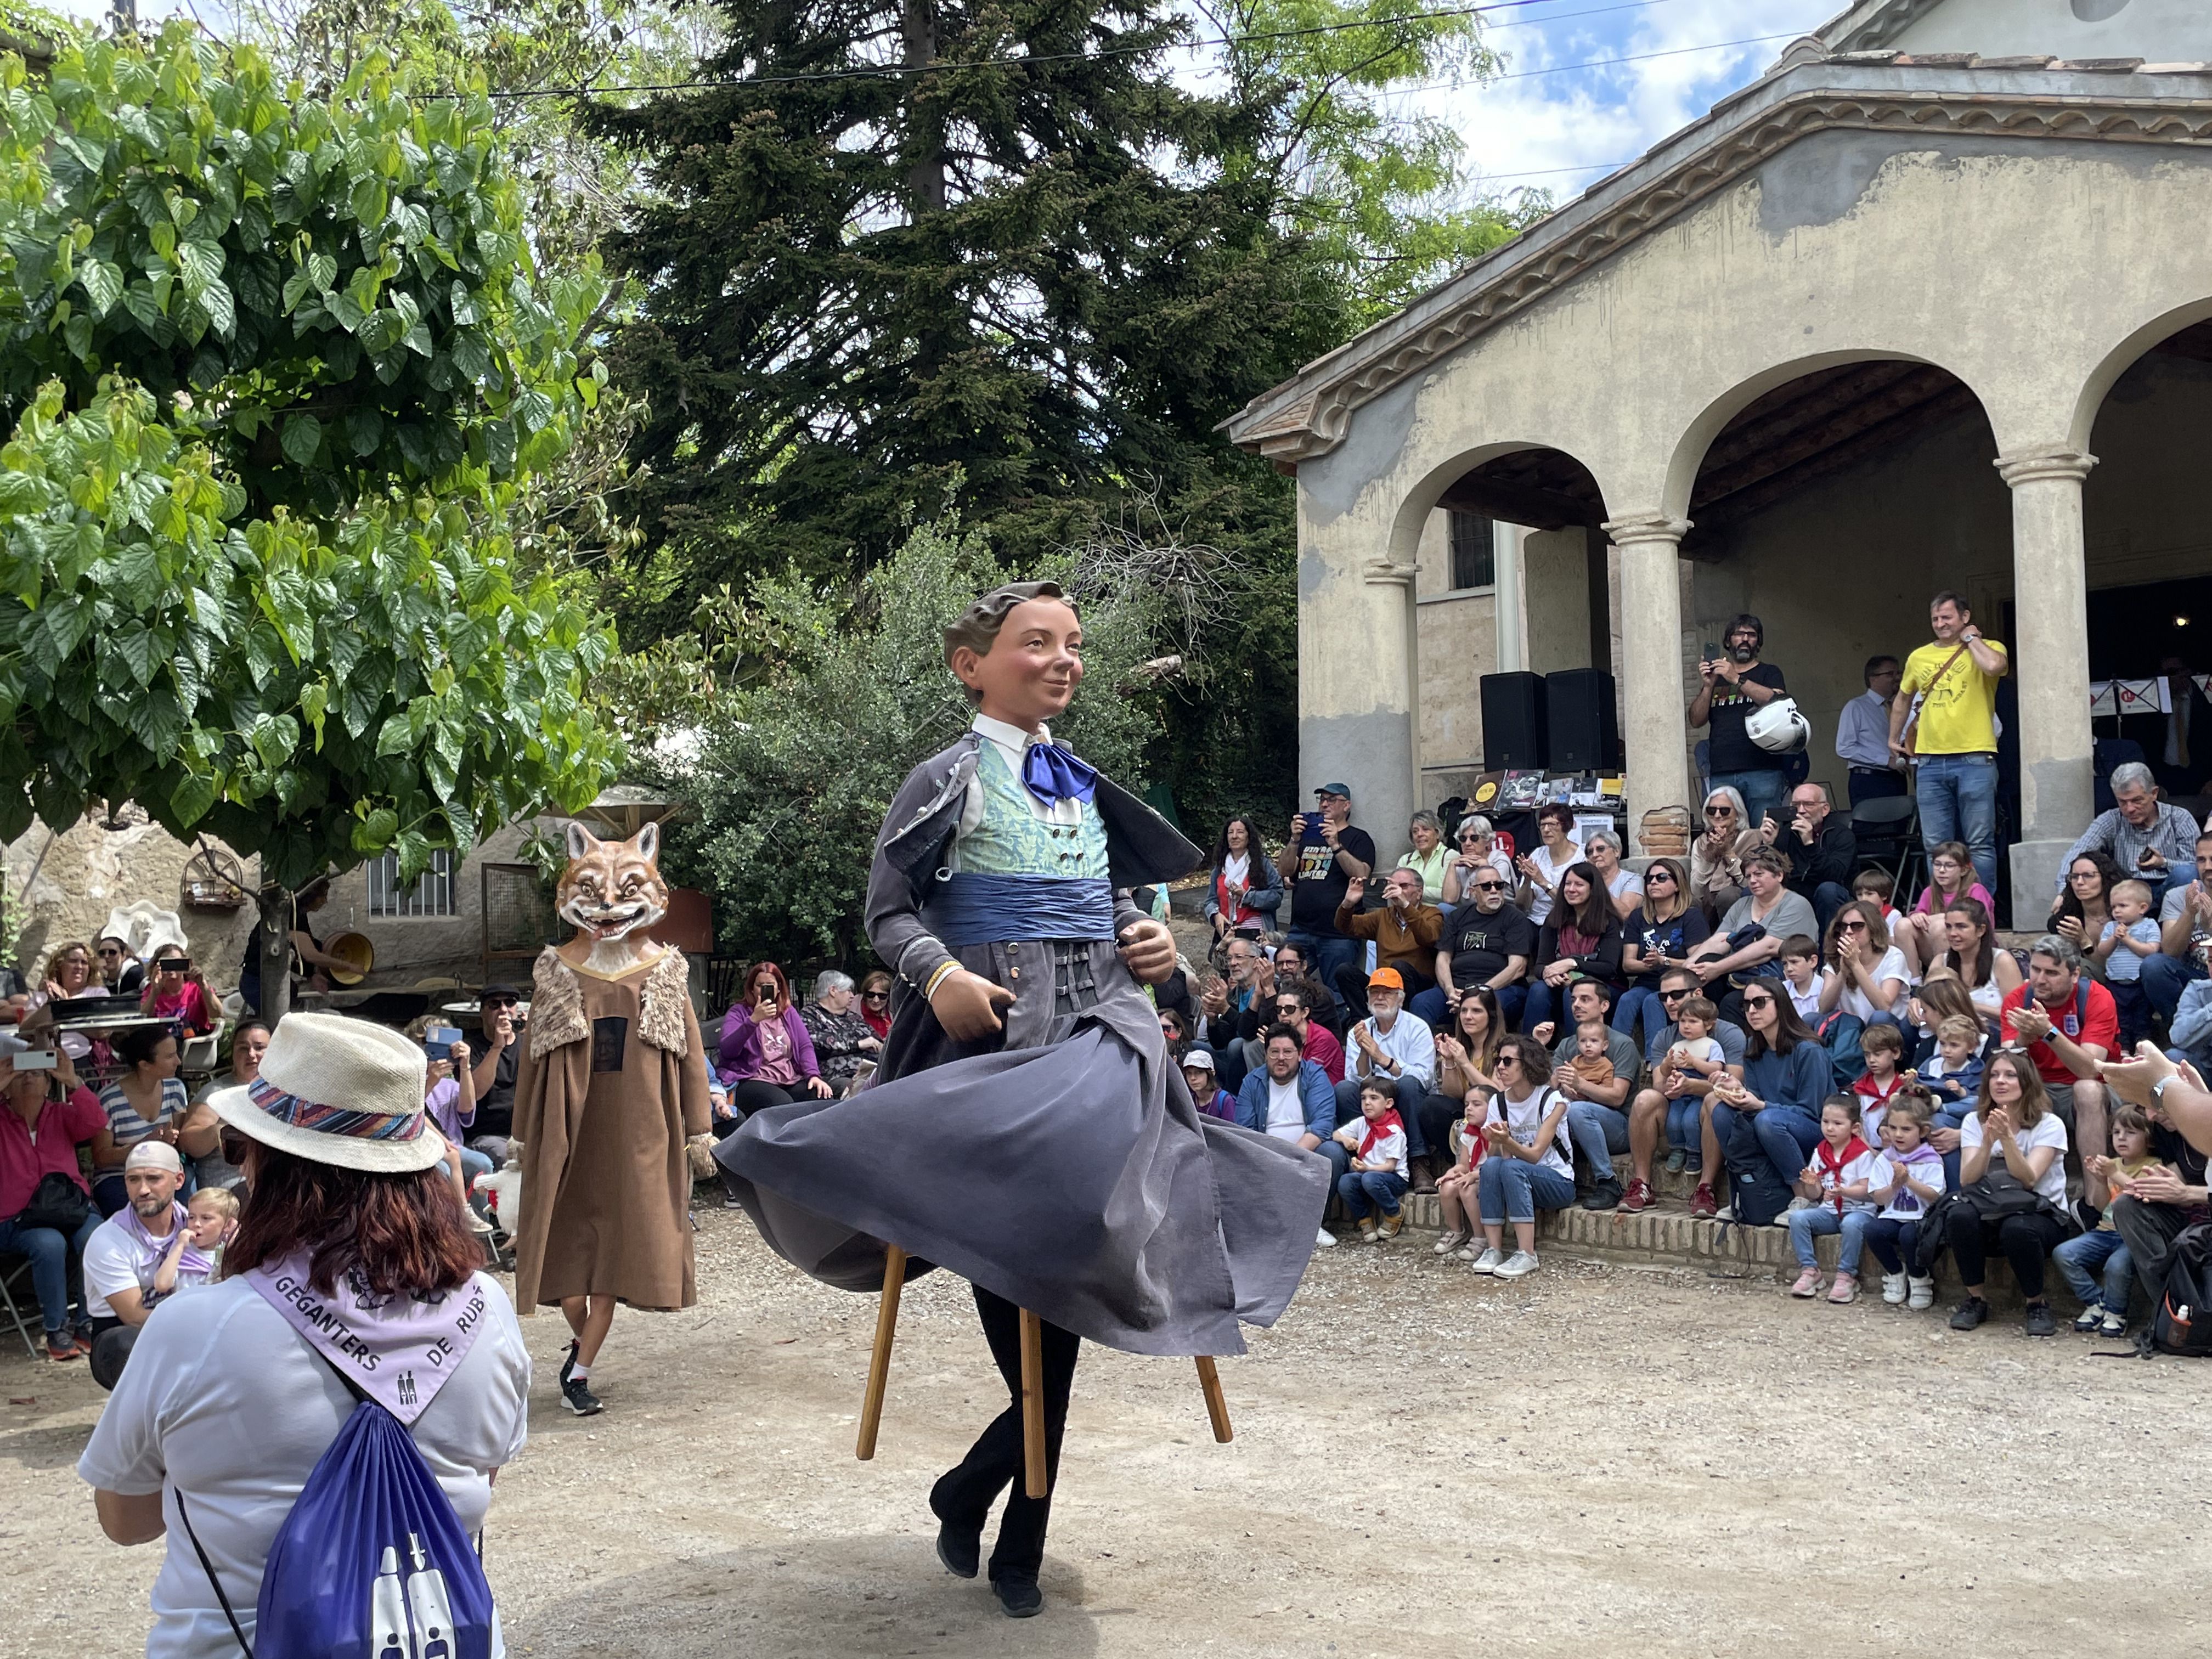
{"type": "Point", "coordinates": [153, 1155]}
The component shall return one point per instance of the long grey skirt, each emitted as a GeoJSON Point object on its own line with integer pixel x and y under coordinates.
{"type": "Point", "coordinates": [1074, 1179]}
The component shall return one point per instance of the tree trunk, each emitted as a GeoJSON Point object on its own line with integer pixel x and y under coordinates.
{"type": "Point", "coordinates": [925, 176]}
{"type": "Point", "coordinates": [273, 940]}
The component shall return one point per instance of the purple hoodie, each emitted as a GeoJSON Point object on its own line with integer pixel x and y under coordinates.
{"type": "Point", "coordinates": [740, 1049]}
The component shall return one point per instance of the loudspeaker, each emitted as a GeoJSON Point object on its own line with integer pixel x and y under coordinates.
{"type": "Point", "coordinates": [1585, 731]}
{"type": "Point", "coordinates": [1514, 734]}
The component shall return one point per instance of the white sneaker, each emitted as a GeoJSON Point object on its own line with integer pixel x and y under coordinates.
{"type": "Point", "coordinates": [1488, 1262]}
{"type": "Point", "coordinates": [1516, 1265]}
{"type": "Point", "coordinates": [1467, 1253]}
{"type": "Point", "coordinates": [1923, 1294]}
{"type": "Point", "coordinates": [1726, 1212]}
{"type": "Point", "coordinates": [1326, 1241]}
{"type": "Point", "coordinates": [1892, 1288]}
{"type": "Point", "coordinates": [1450, 1243]}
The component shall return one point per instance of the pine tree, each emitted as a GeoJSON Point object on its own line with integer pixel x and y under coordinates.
{"type": "Point", "coordinates": [1018, 286]}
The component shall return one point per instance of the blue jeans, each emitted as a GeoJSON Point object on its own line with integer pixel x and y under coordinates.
{"type": "Point", "coordinates": [1514, 1189]}
{"type": "Point", "coordinates": [1365, 1191]}
{"type": "Point", "coordinates": [1639, 1001]}
{"type": "Point", "coordinates": [1827, 898]}
{"type": "Point", "coordinates": [1806, 1225]}
{"type": "Point", "coordinates": [1597, 1132]}
{"type": "Point", "coordinates": [1762, 791]}
{"type": "Point", "coordinates": [1327, 955]}
{"type": "Point", "coordinates": [1783, 1134]}
{"type": "Point", "coordinates": [473, 1163]}
{"type": "Point", "coordinates": [1411, 1092]}
{"type": "Point", "coordinates": [2163, 978]}
{"type": "Point", "coordinates": [1958, 802]}
{"type": "Point", "coordinates": [1686, 1124]}
{"type": "Point", "coordinates": [56, 1265]}
{"type": "Point", "coordinates": [1950, 1117]}
{"type": "Point", "coordinates": [2085, 1256]}
{"type": "Point", "coordinates": [2132, 1004]}
{"type": "Point", "coordinates": [1430, 1005]}
{"type": "Point", "coordinates": [1894, 1241]}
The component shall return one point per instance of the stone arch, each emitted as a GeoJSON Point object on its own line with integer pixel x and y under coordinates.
{"type": "Point", "coordinates": [2124, 356]}
{"type": "Point", "coordinates": [1429, 492]}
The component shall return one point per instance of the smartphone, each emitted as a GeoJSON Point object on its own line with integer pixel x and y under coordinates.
{"type": "Point", "coordinates": [438, 1041]}
{"type": "Point", "coordinates": [35, 1059]}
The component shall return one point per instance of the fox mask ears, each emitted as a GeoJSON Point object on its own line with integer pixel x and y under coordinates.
{"type": "Point", "coordinates": [582, 841]}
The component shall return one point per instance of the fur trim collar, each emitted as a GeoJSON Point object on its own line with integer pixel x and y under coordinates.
{"type": "Point", "coordinates": [556, 1007]}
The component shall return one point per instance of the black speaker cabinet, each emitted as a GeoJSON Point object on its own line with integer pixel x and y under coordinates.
{"type": "Point", "coordinates": [1585, 731]}
{"type": "Point", "coordinates": [1514, 736]}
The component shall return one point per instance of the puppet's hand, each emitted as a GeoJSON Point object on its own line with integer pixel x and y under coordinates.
{"type": "Point", "coordinates": [967, 1005]}
{"type": "Point", "coordinates": [1149, 949]}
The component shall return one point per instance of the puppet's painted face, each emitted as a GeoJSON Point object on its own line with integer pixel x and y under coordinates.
{"type": "Point", "coordinates": [1033, 667]}
{"type": "Point", "coordinates": [611, 889]}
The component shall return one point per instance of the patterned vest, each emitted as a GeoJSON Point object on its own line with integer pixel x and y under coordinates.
{"type": "Point", "coordinates": [1012, 840]}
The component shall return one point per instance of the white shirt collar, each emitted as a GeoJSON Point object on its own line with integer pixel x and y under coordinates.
{"type": "Point", "coordinates": [1012, 739]}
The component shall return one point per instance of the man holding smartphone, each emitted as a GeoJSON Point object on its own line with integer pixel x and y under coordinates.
{"type": "Point", "coordinates": [1953, 683]}
{"type": "Point", "coordinates": [1730, 685]}
{"type": "Point", "coordinates": [1324, 855]}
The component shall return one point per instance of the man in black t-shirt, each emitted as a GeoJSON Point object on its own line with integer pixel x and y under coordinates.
{"type": "Point", "coordinates": [1323, 855]}
{"type": "Point", "coordinates": [500, 1053]}
{"type": "Point", "coordinates": [1489, 941]}
{"type": "Point", "coordinates": [1733, 684]}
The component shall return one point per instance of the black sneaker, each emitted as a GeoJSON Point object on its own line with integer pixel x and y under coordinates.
{"type": "Point", "coordinates": [61, 1347]}
{"type": "Point", "coordinates": [960, 1549]}
{"type": "Point", "coordinates": [1969, 1313]}
{"type": "Point", "coordinates": [1020, 1597]}
{"type": "Point", "coordinates": [576, 1395]}
{"type": "Point", "coordinates": [1603, 1195]}
{"type": "Point", "coordinates": [2040, 1322]}
{"type": "Point", "coordinates": [568, 1365]}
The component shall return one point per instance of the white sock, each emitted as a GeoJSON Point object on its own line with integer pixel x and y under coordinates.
{"type": "Point", "coordinates": [578, 1372]}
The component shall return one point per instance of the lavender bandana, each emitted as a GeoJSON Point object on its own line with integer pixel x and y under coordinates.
{"type": "Point", "coordinates": [193, 1267]}
{"type": "Point", "coordinates": [398, 1351]}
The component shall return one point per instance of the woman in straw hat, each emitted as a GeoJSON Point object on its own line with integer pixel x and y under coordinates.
{"type": "Point", "coordinates": [234, 1393]}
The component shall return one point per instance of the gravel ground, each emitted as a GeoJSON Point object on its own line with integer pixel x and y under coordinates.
{"type": "Point", "coordinates": [1425, 1460]}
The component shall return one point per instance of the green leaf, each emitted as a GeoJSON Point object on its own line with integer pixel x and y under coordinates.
{"type": "Point", "coordinates": [102, 283]}
{"type": "Point", "coordinates": [302, 440]}
{"type": "Point", "coordinates": [364, 430]}
{"type": "Point", "coordinates": [190, 801]}
{"type": "Point", "coordinates": [373, 834]}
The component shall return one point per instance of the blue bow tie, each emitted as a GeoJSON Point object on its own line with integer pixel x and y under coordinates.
{"type": "Point", "coordinates": [1052, 775]}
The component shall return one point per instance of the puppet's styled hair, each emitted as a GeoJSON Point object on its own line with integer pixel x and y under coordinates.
{"type": "Point", "coordinates": [977, 626]}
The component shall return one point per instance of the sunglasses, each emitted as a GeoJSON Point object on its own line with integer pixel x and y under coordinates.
{"type": "Point", "coordinates": [1720, 811]}
{"type": "Point", "coordinates": [1674, 996]}
{"type": "Point", "coordinates": [1489, 886]}
{"type": "Point", "coordinates": [1854, 926]}
{"type": "Point", "coordinates": [1505, 1060]}
{"type": "Point", "coordinates": [875, 996]}
{"type": "Point", "coordinates": [1658, 875]}
{"type": "Point", "coordinates": [1758, 1002]}
{"type": "Point", "coordinates": [110, 950]}
{"type": "Point", "coordinates": [495, 1005]}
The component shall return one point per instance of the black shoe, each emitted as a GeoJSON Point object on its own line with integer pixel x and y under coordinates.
{"type": "Point", "coordinates": [2040, 1322]}
{"type": "Point", "coordinates": [1604, 1195]}
{"type": "Point", "coordinates": [1020, 1597]}
{"type": "Point", "coordinates": [576, 1395]}
{"type": "Point", "coordinates": [1969, 1313]}
{"type": "Point", "coordinates": [960, 1548]}
{"type": "Point", "coordinates": [568, 1365]}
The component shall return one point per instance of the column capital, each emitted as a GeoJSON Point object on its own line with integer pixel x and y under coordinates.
{"type": "Point", "coordinates": [1387, 572]}
{"type": "Point", "coordinates": [2040, 462]}
{"type": "Point", "coordinates": [1632, 527]}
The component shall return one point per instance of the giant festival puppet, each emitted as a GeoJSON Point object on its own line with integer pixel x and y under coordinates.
{"type": "Point", "coordinates": [611, 1091]}
{"type": "Point", "coordinates": [1026, 1129]}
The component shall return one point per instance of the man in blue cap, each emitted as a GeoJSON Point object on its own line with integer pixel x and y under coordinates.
{"type": "Point", "coordinates": [1324, 856]}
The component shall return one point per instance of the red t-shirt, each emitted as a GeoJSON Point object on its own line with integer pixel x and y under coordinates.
{"type": "Point", "coordinates": [25, 1160]}
{"type": "Point", "coordinates": [2088, 1016]}
{"type": "Point", "coordinates": [1324, 1050]}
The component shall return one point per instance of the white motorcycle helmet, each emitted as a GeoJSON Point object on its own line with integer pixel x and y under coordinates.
{"type": "Point", "coordinates": [1778, 727]}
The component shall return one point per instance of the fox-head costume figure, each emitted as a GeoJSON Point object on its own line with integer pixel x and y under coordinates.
{"type": "Point", "coordinates": [611, 893]}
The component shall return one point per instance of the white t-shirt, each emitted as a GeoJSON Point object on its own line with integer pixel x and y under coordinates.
{"type": "Point", "coordinates": [1525, 1118]}
{"type": "Point", "coordinates": [223, 1402]}
{"type": "Point", "coordinates": [1286, 1109]}
{"type": "Point", "coordinates": [2045, 1131]}
{"type": "Point", "coordinates": [1625, 881]}
{"type": "Point", "coordinates": [1890, 968]}
{"type": "Point", "coordinates": [1540, 899]}
{"type": "Point", "coordinates": [1904, 1204]}
{"type": "Point", "coordinates": [111, 1259]}
{"type": "Point", "coordinates": [1859, 1169]}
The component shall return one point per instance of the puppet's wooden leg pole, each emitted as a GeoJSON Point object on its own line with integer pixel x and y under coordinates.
{"type": "Point", "coordinates": [1217, 1403]}
{"type": "Point", "coordinates": [1033, 1475]}
{"type": "Point", "coordinates": [879, 1362]}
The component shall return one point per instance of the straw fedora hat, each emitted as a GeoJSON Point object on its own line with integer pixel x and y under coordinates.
{"type": "Point", "coordinates": [338, 1091]}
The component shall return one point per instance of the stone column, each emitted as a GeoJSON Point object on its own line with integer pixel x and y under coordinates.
{"type": "Point", "coordinates": [1505, 587]}
{"type": "Point", "coordinates": [2051, 662]}
{"type": "Point", "coordinates": [1357, 699]}
{"type": "Point", "coordinates": [1656, 739]}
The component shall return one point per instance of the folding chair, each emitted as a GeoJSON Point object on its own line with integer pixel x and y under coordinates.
{"type": "Point", "coordinates": [15, 1275]}
{"type": "Point", "coordinates": [1888, 832]}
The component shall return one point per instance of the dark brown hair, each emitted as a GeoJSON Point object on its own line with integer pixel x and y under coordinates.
{"type": "Point", "coordinates": [976, 628]}
{"type": "Point", "coordinates": [400, 1234]}
{"type": "Point", "coordinates": [2034, 1098]}
{"type": "Point", "coordinates": [1536, 1059]}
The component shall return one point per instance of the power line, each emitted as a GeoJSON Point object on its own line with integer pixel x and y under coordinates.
{"type": "Point", "coordinates": [891, 70]}
{"type": "Point", "coordinates": [1601, 63]}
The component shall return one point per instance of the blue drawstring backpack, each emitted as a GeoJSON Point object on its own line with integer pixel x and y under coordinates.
{"type": "Point", "coordinates": [372, 1563]}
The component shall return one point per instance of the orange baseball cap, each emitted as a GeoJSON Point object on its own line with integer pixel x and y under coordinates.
{"type": "Point", "coordinates": [1387, 979]}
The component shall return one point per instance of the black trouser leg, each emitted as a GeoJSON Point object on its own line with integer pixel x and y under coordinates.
{"type": "Point", "coordinates": [1963, 1227]}
{"type": "Point", "coordinates": [2148, 1231]}
{"type": "Point", "coordinates": [963, 1495]}
{"type": "Point", "coordinates": [2027, 1241]}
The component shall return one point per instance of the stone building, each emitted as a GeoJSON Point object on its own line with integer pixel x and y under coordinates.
{"type": "Point", "coordinates": [1928, 306]}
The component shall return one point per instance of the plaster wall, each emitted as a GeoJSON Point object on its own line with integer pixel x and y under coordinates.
{"type": "Point", "coordinates": [1456, 638]}
{"type": "Point", "coordinates": [1846, 245]}
{"type": "Point", "coordinates": [2157, 31]}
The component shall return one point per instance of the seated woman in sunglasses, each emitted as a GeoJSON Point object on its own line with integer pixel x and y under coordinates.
{"type": "Point", "coordinates": [1772, 1112]}
{"type": "Point", "coordinates": [1717, 855]}
{"type": "Point", "coordinates": [177, 990]}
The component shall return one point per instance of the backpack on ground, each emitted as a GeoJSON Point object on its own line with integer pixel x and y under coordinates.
{"type": "Point", "coordinates": [1757, 1194]}
{"type": "Point", "coordinates": [371, 1563]}
{"type": "Point", "coordinates": [2183, 1322]}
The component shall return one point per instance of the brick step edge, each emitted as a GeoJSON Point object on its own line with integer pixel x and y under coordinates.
{"type": "Point", "coordinates": [1673, 1237]}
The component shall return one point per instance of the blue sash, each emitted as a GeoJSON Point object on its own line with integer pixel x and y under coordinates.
{"type": "Point", "coordinates": [973, 908]}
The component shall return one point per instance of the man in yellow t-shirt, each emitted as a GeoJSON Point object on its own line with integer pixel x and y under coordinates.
{"type": "Point", "coordinates": [1954, 743]}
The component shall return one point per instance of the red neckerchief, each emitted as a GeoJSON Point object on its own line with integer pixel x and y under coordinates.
{"type": "Point", "coordinates": [1834, 1163]}
{"type": "Point", "coordinates": [1865, 1086]}
{"type": "Point", "coordinates": [1378, 1127]}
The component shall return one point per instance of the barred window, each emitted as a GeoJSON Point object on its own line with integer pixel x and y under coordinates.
{"type": "Point", "coordinates": [1471, 564]}
{"type": "Point", "coordinates": [432, 895]}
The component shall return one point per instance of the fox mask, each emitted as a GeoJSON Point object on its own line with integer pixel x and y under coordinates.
{"type": "Point", "coordinates": [611, 889]}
